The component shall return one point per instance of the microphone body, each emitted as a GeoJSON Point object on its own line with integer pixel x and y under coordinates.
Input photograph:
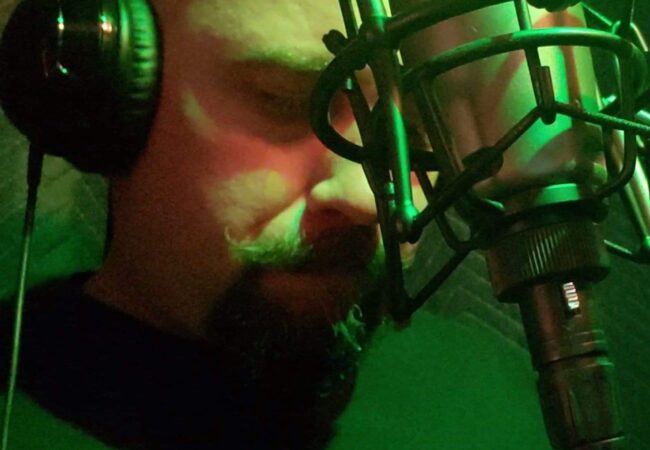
{"type": "Point", "coordinates": [480, 101]}
{"type": "Point", "coordinates": [547, 266]}
{"type": "Point", "coordinates": [546, 250]}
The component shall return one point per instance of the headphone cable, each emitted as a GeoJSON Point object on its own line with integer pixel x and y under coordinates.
{"type": "Point", "coordinates": [34, 171]}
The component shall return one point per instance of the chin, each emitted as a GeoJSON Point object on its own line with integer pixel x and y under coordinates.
{"type": "Point", "coordinates": [292, 312]}
{"type": "Point", "coordinates": [298, 336]}
{"type": "Point", "coordinates": [274, 317]}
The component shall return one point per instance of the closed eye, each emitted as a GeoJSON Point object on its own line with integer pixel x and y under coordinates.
{"type": "Point", "coordinates": [283, 107]}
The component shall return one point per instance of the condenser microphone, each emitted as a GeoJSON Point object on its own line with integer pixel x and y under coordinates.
{"type": "Point", "coordinates": [508, 98]}
{"type": "Point", "coordinates": [547, 249]}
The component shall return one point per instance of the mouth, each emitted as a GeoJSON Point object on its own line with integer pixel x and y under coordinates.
{"type": "Point", "coordinates": [338, 272]}
{"type": "Point", "coordinates": [341, 250]}
{"type": "Point", "coordinates": [313, 295]}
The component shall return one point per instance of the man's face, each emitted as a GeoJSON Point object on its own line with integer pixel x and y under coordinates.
{"type": "Point", "coordinates": [234, 185]}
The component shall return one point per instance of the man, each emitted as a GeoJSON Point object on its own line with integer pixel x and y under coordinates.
{"type": "Point", "coordinates": [229, 312]}
{"type": "Point", "coordinates": [243, 253]}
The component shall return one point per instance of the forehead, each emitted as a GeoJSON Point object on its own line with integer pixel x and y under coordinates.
{"type": "Point", "coordinates": [287, 31]}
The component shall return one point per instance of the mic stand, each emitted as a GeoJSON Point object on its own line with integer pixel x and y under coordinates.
{"type": "Point", "coordinates": [545, 259]}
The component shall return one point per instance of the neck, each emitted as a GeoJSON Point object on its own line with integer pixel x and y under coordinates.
{"type": "Point", "coordinates": [151, 300]}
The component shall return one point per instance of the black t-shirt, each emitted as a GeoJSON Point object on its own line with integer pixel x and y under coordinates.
{"type": "Point", "coordinates": [135, 387]}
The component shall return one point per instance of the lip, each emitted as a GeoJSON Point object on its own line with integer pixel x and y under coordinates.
{"type": "Point", "coordinates": [332, 279]}
{"type": "Point", "coordinates": [341, 250]}
{"type": "Point", "coordinates": [328, 295]}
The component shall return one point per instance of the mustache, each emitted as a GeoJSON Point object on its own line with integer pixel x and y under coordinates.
{"type": "Point", "coordinates": [289, 251]}
{"type": "Point", "coordinates": [355, 247]}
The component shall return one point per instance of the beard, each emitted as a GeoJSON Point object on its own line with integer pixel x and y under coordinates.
{"type": "Point", "coordinates": [301, 368]}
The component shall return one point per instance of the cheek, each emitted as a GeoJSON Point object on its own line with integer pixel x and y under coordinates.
{"type": "Point", "coordinates": [241, 180]}
{"type": "Point", "coordinates": [245, 181]}
{"type": "Point", "coordinates": [226, 151]}
{"type": "Point", "coordinates": [246, 200]}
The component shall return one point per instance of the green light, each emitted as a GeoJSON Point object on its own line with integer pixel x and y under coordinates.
{"type": "Point", "coordinates": [105, 24]}
{"type": "Point", "coordinates": [61, 22]}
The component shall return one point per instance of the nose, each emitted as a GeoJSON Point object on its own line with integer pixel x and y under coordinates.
{"type": "Point", "coordinates": [343, 197]}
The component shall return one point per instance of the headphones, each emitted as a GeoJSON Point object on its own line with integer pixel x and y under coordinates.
{"type": "Point", "coordinates": [81, 79]}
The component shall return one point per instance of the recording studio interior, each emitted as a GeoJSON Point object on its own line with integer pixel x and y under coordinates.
{"type": "Point", "coordinates": [522, 319]}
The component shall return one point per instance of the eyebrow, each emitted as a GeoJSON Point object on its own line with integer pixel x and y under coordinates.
{"type": "Point", "coordinates": [286, 58]}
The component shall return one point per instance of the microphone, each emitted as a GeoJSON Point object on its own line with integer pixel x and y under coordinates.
{"type": "Point", "coordinates": [511, 108]}
{"type": "Point", "coordinates": [547, 249]}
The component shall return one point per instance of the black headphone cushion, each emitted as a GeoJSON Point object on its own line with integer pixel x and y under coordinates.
{"type": "Point", "coordinates": [79, 87]}
{"type": "Point", "coordinates": [142, 64]}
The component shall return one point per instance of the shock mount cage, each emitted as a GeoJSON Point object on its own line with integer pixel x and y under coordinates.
{"type": "Point", "coordinates": [388, 160]}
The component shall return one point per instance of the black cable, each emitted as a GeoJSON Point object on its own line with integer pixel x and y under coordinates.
{"type": "Point", "coordinates": [34, 170]}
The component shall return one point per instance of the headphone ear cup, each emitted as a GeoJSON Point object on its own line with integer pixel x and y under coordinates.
{"type": "Point", "coordinates": [141, 75]}
{"type": "Point", "coordinates": [81, 78]}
